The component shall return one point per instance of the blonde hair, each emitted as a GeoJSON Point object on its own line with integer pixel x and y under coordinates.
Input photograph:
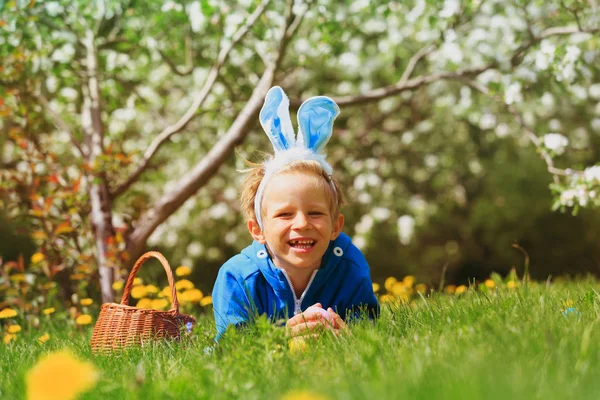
{"type": "Point", "coordinates": [256, 173]}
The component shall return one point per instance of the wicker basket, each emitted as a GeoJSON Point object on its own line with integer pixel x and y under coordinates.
{"type": "Point", "coordinates": [120, 325]}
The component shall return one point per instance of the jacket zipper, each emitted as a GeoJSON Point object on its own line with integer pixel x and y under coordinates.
{"type": "Point", "coordinates": [298, 301]}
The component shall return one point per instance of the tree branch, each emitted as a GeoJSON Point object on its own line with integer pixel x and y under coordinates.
{"type": "Point", "coordinates": [414, 83]}
{"type": "Point", "coordinates": [209, 165]}
{"type": "Point", "coordinates": [191, 112]}
{"type": "Point", "coordinates": [412, 63]}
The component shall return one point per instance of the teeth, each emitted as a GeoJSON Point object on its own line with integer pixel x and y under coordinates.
{"type": "Point", "coordinates": [302, 243]}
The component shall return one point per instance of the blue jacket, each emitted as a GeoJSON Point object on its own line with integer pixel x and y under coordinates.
{"type": "Point", "coordinates": [249, 284]}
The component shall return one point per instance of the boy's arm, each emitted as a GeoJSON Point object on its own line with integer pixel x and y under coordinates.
{"type": "Point", "coordinates": [230, 302]}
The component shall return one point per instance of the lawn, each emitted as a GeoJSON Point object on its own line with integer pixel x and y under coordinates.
{"type": "Point", "coordinates": [536, 342]}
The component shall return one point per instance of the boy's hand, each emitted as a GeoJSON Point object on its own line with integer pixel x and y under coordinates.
{"type": "Point", "coordinates": [338, 323]}
{"type": "Point", "coordinates": [315, 317]}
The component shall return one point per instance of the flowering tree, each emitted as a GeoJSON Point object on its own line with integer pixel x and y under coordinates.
{"type": "Point", "coordinates": [123, 117]}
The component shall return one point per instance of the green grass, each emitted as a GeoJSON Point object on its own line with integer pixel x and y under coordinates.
{"type": "Point", "coordinates": [495, 345]}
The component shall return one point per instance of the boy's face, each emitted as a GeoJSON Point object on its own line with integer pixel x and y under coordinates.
{"type": "Point", "coordinates": [297, 222]}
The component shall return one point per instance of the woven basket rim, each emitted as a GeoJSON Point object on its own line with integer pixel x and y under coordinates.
{"type": "Point", "coordinates": [134, 308]}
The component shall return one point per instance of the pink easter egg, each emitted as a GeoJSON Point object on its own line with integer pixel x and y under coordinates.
{"type": "Point", "coordinates": [326, 315]}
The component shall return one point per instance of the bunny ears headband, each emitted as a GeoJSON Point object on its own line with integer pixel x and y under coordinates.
{"type": "Point", "coordinates": [315, 126]}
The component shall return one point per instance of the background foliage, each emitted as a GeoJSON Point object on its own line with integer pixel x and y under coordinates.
{"type": "Point", "coordinates": [433, 147]}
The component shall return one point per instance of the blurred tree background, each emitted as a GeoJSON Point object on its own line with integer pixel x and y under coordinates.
{"type": "Point", "coordinates": [463, 125]}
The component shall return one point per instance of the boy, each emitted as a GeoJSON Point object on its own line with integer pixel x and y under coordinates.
{"type": "Point", "coordinates": [299, 256]}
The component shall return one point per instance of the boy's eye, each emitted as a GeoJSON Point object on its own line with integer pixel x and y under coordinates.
{"type": "Point", "coordinates": [283, 215]}
{"type": "Point", "coordinates": [316, 213]}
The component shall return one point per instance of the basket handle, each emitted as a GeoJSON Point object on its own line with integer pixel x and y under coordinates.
{"type": "Point", "coordinates": [136, 267]}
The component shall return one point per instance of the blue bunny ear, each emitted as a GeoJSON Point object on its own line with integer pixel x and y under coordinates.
{"type": "Point", "coordinates": [275, 119]}
{"type": "Point", "coordinates": [315, 122]}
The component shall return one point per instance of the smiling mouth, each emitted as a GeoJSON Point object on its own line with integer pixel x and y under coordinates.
{"type": "Point", "coordinates": [302, 244]}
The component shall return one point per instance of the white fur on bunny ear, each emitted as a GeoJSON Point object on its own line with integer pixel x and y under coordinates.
{"type": "Point", "coordinates": [315, 122]}
{"type": "Point", "coordinates": [275, 119]}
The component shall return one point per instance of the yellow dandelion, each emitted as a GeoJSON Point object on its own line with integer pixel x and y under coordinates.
{"type": "Point", "coordinates": [375, 287]}
{"type": "Point", "coordinates": [298, 344]}
{"type": "Point", "coordinates": [37, 257]}
{"type": "Point", "coordinates": [159, 304]}
{"type": "Point", "coordinates": [421, 288]}
{"type": "Point", "coordinates": [14, 329]}
{"type": "Point", "coordinates": [450, 289]}
{"type": "Point", "coordinates": [49, 285]}
{"type": "Point", "coordinates": [207, 300]}
{"type": "Point", "coordinates": [183, 271]}
{"type": "Point", "coordinates": [386, 298]}
{"type": "Point", "coordinates": [460, 289]}
{"type": "Point", "coordinates": [117, 285]}
{"type": "Point", "coordinates": [86, 302]}
{"type": "Point", "coordinates": [44, 338]}
{"type": "Point", "coordinates": [48, 311]}
{"type": "Point", "coordinates": [389, 282]}
{"type": "Point", "coordinates": [408, 280]}
{"type": "Point", "coordinates": [184, 284]}
{"type": "Point", "coordinates": [398, 289]}
{"type": "Point", "coordinates": [151, 289]}
{"type": "Point", "coordinates": [137, 292]}
{"type": "Point", "coordinates": [303, 395]}
{"type": "Point", "coordinates": [511, 284]}
{"type": "Point", "coordinates": [60, 375]}
{"type": "Point", "coordinates": [83, 319]}
{"type": "Point", "coordinates": [144, 303]}
{"type": "Point", "coordinates": [9, 337]}
{"type": "Point", "coordinates": [18, 278]}
{"type": "Point", "coordinates": [490, 284]}
{"type": "Point", "coordinates": [7, 313]}
{"type": "Point", "coordinates": [137, 281]}
{"type": "Point", "coordinates": [166, 292]}
{"type": "Point", "coordinates": [191, 296]}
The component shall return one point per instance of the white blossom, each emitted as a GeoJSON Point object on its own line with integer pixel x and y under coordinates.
{"type": "Point", "coordinates": [196, 17]}
{"type": "Point", "coordinates": [69, 94]}
{"type": "Point", "coordinates": [592, 174]}
{"type": "Point", "coordinates": [406, 228]}
{"type": "Point", "coordinates": [542, 61]}
{"type": "Point", "coordinates": [416, 12]}
{"type": "Point", "coordinates": [358, 5]}
{"type": "Point", "coordinates": [502, 130]}
{"type": "Point", "coordinates": [171, 5]}
{"type": "Point", "coordinates": [365, 198]}
{"type": "Point", "coordinates": [594, 91]}
{"type": "Point", "coordinates": [513, 93]}
{"type": "Point", "coordinates": [451, 7]}
{"type": "Point", "coordinates": [380, 213]}
{"type": "Point", "coordinates": [567, 197]}
{"type": "Point", "coordinates": [195, 249]}
{"type": "Point", "coordinates": [359, 242]}
{"type": "Point", "coordinates": [364, 225]}
{"type": "Point", "coordinates": [349, 61]}
{"type": "Point", "coordinates": [64, 54]}
{"type": "Point", "coordinates": [487, 121]}
{"type": "Point", "coordinates": [573, 53]}
{"type": "Point", "coordinates": [556, 142]}
{"type": "Point", "coordinates": [547, 100]}
{"type": "Point", "coordinates": [53, 8]}
{"type": "Point", "coordinates": [218, 211]}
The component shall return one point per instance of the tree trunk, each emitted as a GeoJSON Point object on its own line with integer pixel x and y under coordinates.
{"type": "Point", "coordinates": [101, 215]}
